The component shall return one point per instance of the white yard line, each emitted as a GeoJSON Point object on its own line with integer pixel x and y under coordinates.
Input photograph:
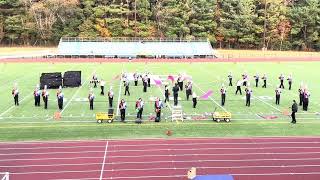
{"type": "Point", "coordinates": [267, 103]}
{"type": "Point", "coordinates": [74, 95]}
{"type": "Point", "coordinates": [9, 109]}
{"type": "Point", "coordinates": [104, 160]}
{"type": "Point", "coordinates": [164, 97]}
{"type": "Point", "coordinates": [119, 96]}
{"type": "Point", "coordinates": [211, 98]}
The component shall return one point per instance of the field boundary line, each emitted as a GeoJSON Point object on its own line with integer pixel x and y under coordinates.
{"type": "Point", "coordinates": [104, 160]}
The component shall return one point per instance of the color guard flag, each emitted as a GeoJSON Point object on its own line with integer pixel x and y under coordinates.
{"type": "Point", "coordinates": [171, 78]}
{"type": "Point", "coordinates": [206, 95]}
{"type": "Point", "coordinates": [158, 82]}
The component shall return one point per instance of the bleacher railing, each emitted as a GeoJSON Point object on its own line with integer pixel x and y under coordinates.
{"type": "Point", "coordinates": [130, 39]}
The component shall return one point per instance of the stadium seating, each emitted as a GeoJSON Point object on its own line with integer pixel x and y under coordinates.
{"type": "Point", "coordinates": [135, 48]}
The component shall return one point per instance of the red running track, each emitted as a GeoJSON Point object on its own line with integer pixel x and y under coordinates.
{"type": "Point", "coordinates": [283, 158]}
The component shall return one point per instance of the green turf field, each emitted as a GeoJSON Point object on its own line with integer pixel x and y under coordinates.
{"type": "Point", "coordinates": [27, 122]}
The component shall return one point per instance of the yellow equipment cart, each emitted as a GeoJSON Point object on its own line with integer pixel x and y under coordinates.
{"type": "Point", "coordinates": [102, 116]}
{"type": "Point", "coordinates": [219, 116]}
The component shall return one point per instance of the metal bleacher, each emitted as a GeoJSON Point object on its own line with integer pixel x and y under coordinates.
{"type": "Point", "coordinates": [135, 48]}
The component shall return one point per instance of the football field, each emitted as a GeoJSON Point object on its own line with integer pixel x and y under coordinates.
{"type": "Point", "coordinates": [78, 122]}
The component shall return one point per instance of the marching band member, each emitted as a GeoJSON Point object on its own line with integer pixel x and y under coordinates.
{"type": "Point", "coordinates": [281, 78]}
{"type": "Point", "coordinates": [110, 96]}
{"type": "Point", "coordinates": [239, 83]}
{"type": "Point", "coordinates": [126, 84]}
{"type": "Point", "coordinates": [248, 96]}
{"type": "Point", "coordinates": [300, 94]}
{"type": "Point", "coordinates": [91, 99]}
{"type": "Point", "coordinates": [180, 82]}
{"type": "Point", "coordinates": [136, 78]}
{"type": "Point", "coordinates": [290, 81]}
{"type": "Point", "coordinates": [45, 95]}
{"type": "Point", "coordinates": [158, 105]}
{"type": "Point", "coordinates": [264, 78]}
{"type": "Point", "coordinates": [124, 78]}
{"type": "Point", "coordinates": [278, 93]}
{"type": "Point", "coordinates": [166, 94]}
{"type": "Point", "coordinates": [60, 97]}
{"type": "Point", "coordinates": [256, 78]}
{"type": "Point", "coordinates": [149, 79]}
{"type": "Point", "coordinates": [94, 79]}
{"type": "Point", "coordinates": [188, 89]}
{"type": "Point", "coordinates": [230, 79]}
{"type": "Point", "coordinates": [145, 83]}
{"type": "Point", "coordinates": [102, 84]}
{"type": "Point", "coordinates": [15, 94]}
{"type": "Point", "coordinates": [194, 100]}
{"type": "Point", "coordinates": [245, 78]}
{"type": "Point", "coordinates": [139, 108]}
{"type": "Point", "coordinates": [37, 94]}
{"type": "Point", "coordinates": [306, 95]}
{"type": "Point", "coordinates": [175, 91]}
{"type": "Point", "coordinates": [123, 107]}
{"type": "Point", "coordinates": [223, 92]}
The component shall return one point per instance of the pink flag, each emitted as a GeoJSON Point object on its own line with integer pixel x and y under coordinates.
{"type": "Point", "coordinates": [158, 82]}
{"type": "Point", "coordinates": [171, 78]}
{"type": "Point", "coordinates": [206, 95]}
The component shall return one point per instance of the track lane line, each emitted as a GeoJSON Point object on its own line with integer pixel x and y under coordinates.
{"type": "Point", "coordinates": [104, 160]}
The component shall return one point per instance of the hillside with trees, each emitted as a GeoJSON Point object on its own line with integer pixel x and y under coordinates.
{"type": "Point", "coordinates": [239, 24]}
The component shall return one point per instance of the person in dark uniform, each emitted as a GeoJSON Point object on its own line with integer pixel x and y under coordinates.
{"type": "Point", "coordinates": [194, 100]}
{"type": "Point", "coordinates": [281, 78]}
{"type": "Point", "coordinates": [256, 78]}
{"type": "Point", "coordinates": [102, 84]}
{"type": "Point", "coordinates": [230, 79]}
{"type": "Point", "coordinates": [94, 79]}
{"type": "Point", "coordinates": [139, 108]}
{"type": "Point", "coordinates": [15, 94]}
{"type": "Point", "coordinates": [145, 83]}
{"type": "Point", "coordinates": [110, 97]}
{"type": "Point", "coordinates": [223, 92]}
{"type": "Point", "coordinates": [278, 93]}
{"type": "Point", "coordinates": [245, 78]}
{"type": "Point", "coordinates": [136, 78]}
{"type": "Point", "coordinates": [300, 95]}
{"type": "Point", "coordinates": [91, 99]}
{"type": "Point", "coordinates": [188, 89]}
{"type": "Point", "coordinates": [37, 94]}
{"type": "Point", "coordinates": [248, 96]}
{"type": "Point", "coordinates": [123, 107]}
{"type": "Point", "coordinates": [60, 97]}
{"type": "Point", "coordinates": [166, 94]}
{"type": "Point", "coordinates": [45, 95]}
{"type": "Point", "coordinates": [149, 79]}
{"type": "Point", "coordinates": [239, 83]}
{"type": "Point", "coordinates": [158, 105]}
{"type": "Point", "coordinates": [127, 88]}
{"type": "Point", "coordinates": [264, 78]}
{"type": "Point", "coordinates": [175, 91]}
{"type": "Point", "coordinates": [290, 81]}
{"type": "Point", "coordinates": [294, 109]}
{"type": "Point", "coordinates": [305, 103]}
{"type": "Point", "coordinates": [180, 82]}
